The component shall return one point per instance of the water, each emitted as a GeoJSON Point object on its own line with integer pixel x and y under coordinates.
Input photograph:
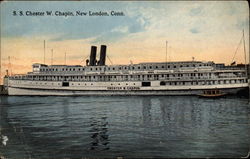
{"type": "Point", "coordinates": [129, 127]}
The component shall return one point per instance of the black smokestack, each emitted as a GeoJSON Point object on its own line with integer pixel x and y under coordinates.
{"type": "Point", "coordinates": [92, 60]}
{"type": "Point", "coordinates": [102, 55]}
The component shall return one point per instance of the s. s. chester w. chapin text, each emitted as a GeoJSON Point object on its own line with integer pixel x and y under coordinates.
{"type": "Point", "coordinates": [67, 13]}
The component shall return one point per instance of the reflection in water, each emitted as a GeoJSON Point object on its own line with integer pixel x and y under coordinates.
{"type": "Point", "coordinates": [3, 111]}
{"type": "Point", "coordinates": [99, 134]}
{"type": "Point", "coordinates": [165, 110]}
{"type": "Point", "coordinates": [203, 120]}
{"type": "Point", "coordinates": [65, 104]}
{"type": "Point", "coordinates": [12, 129]}
{"type": "Point", "coordinates": [146, 107]}
{"type": "Point", "coordinates": [3, 117]}
{"type": "Point", "coordinates": [78, 127]}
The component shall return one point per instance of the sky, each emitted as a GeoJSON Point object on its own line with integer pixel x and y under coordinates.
{"type": "Point", "coordinates": [207, 31]}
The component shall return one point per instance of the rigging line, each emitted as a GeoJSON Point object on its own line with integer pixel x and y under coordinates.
{"type": "Point", "coordinates": [237, 49]}
{"type": "Point", "coordinates": [243, 37]}
{"type": "Point", "coordinates": [110, 60]}
{"type": "Point", "coordinates": [84, 59]}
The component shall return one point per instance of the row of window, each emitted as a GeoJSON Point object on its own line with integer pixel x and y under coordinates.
{"type": "Point", "coordinates": [162, 83]}
{"type": "Point", "coordinates": [72, 84]}
{"type": "Point", "coordinates": [111, 84]}
{"type": "Point", "coordinates": [122, 77]}
{"type": "Point", "coordinates": [63, 69]}
{"type": "Point", "coordinates": [120, 68]}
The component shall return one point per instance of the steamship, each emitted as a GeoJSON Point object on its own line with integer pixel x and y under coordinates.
{"type": "Point", "coordinates": [157, 78]}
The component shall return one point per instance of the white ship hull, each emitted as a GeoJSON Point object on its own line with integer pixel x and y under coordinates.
{"type": "Point", "coordinates": [42, 92]}
{"type": "Point", "coordinates": [124, 88]}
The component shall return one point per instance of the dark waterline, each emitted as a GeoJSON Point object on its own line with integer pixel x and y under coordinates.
{"type": "Point", "coordinates": [134, 126]}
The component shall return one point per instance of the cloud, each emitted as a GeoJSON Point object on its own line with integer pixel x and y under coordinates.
{"type": "Point", "coordinates": [121, 29]}
{"type": "Point", "coordinates": [195, 11]}
{"type": "Point", "coordinates": [146, 25]}
{"type": "Point", "coordinates": [194, 30]}
{"type": "Point", "coordinates": [108, 37]}
{"type": "Point", "coordinates": [241, 24]}
{"type": "Point", "coordinates": [126, 28]}
{"type": "Point", "coordinates": [75, 27]}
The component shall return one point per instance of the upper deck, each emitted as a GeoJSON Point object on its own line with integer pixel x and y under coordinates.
{"type": "Point", "coordinates": [141, 67]}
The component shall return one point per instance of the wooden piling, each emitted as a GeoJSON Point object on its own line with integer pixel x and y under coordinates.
{"type": "Point", "coordinates": [3, 91]}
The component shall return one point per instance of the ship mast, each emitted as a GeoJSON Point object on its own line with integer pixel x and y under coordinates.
{"type": "Point", "coordinates": [51, 56]}
{"type": "Point", "coordinates": [9, 66]}
{"type": "Point", "coordinates": [65, 58]}
{"type": "Point", "coordinates": [245, 54]}
{"type": "Point", "coordinates": [44, 52]}
{"type": "Point", "coordinates": [0, 67]}
{"type": "Point", "coordinates": [166, 51]}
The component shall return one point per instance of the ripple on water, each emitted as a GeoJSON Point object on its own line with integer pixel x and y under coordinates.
{"type": "Point", "coordinates": [135, 126]}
